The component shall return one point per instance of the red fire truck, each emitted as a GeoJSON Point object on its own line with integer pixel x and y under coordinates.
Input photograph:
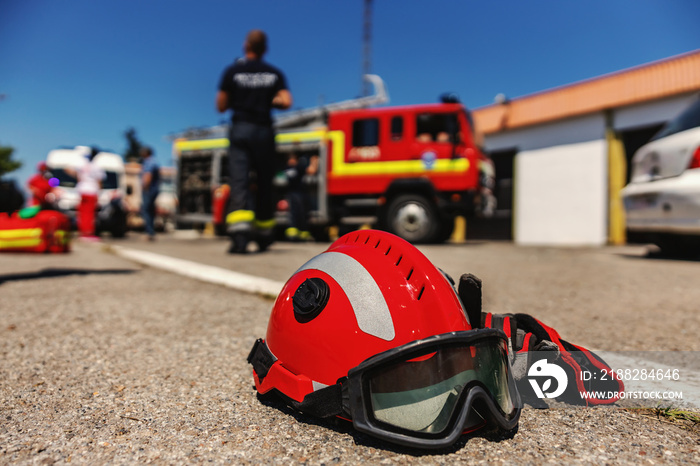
{"type": "Point", "coordinates": [409, 170]}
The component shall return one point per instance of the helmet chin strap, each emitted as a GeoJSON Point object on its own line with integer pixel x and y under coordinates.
{"type": "Point", "coordinates": [324, 402]}
{"type": "Point", "coordinates": [261, 359]}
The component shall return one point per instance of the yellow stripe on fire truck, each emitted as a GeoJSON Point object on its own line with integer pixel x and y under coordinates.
{"type": "Point", "coordinates": [340, 166]}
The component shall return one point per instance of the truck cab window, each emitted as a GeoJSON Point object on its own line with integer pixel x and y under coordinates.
{"type": "Point", "coordinates": [397, 128]}
{"type": "Point", "coordinates": [436, 127]}
{"type": "Point", "coordinates": [365, 132]}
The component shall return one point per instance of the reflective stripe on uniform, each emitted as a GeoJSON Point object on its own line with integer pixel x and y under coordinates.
{"type": "Point", "coordinates": [240, 216]}
{"type": "Point", "coordinates": [367, 301]}
{"type": "Point", "coordinates": [265, 224]}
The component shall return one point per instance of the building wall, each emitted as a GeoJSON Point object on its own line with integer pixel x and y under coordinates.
{"type": "Point", "coordinates": [559, 184]}
{"type": "Point", "coordinates": [560, 132]}
{"type": "Point", "coordinates": [561, 177]}
{"type": "Point", "coordinates": [561, 195]}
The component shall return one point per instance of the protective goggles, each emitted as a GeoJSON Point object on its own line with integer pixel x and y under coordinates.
{"type": "Point", "coordinates": [426, 393]}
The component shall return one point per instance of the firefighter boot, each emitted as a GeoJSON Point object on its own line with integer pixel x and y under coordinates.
{"type": "Point", "coordinates": [264, 234]}
{"type": "Point", "coordinates": [239, 243]}
{"type": "Point", "coordinates": [239, 224]}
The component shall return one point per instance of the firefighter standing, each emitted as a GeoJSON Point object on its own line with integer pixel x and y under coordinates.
{"type": "Point", "coordinates": [251, 88]}
{"type": "Point", "coordinates": [41, 188]}
{"type": "Point", "coordinates": [90, 177]}
{"type": "Point", "coordinates": [299, 172]}
{"type": "Point", "coordinates": [150, 188]}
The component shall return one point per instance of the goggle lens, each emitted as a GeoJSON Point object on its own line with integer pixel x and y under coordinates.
{"type": "Point", "coordinates": [422, 394]}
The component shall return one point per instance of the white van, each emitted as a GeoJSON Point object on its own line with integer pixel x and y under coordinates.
{"type": "Point", "coordinates": [64, 164]}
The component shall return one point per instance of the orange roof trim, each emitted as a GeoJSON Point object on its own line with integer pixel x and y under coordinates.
{"type": "Point", "coordinates": [664, 78]}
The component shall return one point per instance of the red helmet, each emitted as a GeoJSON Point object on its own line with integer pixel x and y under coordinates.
{"type": "Point", "coordinates": [372, 315]}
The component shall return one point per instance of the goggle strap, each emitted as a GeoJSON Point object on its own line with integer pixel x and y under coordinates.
{"type": "Point", "coordinates": [325, 402]}
{"type": "Point", "coordinates": [469, 291]}
{"type": "Point", "coordinates": [261, 358]}
{"type": "Point", "coordinates": [508, 325]}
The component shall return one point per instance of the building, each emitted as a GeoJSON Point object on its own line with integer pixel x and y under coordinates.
{"type": "Point", "coordinates": [561, 155]}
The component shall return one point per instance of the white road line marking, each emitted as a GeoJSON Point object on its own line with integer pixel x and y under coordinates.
{"type": "Point", "coordinates": [688, 383]}
{"type": "Point", "coordinates": [235, 280]}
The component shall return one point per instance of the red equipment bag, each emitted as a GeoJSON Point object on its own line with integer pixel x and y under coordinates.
{"type": "Point", "coordinates": [45, 231]}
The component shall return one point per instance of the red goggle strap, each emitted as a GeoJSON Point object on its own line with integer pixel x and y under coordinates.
{"type": "Point", "coordinates": [579, 359]}
{"type": "Point", "coordinates": [527, 333]}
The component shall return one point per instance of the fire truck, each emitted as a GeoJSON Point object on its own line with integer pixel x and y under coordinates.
{"type": "Point", "coordinates": [410, 170]}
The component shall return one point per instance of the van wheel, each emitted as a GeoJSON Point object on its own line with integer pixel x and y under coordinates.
{"type": "Point", "coordinates": [679, 246]}
{"type": "Point", "coordinates": [413, 218]}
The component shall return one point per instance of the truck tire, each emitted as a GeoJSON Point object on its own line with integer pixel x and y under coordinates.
{"type": "Point", "coordinates": [413, 218]}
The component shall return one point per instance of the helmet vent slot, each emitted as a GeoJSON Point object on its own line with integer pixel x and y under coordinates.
{"type": "Point", "coordinates": [420, 293]}
{"type": "Point", "coordinates": [408, 277]}
{"type": "Point", "coordinates": [388, 251]}
{"type": "Point", "coordinates": [399, 261]}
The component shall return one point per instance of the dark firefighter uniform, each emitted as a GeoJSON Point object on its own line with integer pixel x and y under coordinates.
{"type": "Point", "coordinates": [251, 85]}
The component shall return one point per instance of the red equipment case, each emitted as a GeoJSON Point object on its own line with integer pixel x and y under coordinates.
{"type": "Point", "coordinates": [47, 231]}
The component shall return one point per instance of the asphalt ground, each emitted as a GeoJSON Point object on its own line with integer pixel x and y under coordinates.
{"type": "Point", "coordinates": [106, 361]}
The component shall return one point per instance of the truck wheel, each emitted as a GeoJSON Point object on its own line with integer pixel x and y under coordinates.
{"type": "Point", "coordinates": [413, 218]}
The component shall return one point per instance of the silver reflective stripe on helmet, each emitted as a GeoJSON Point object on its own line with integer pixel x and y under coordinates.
{"type": "Point", "coordinates": [367, 301]}
{"type": "Point", "coordinates": [318, 385]}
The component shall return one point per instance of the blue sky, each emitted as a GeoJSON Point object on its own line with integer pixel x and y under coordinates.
{"type": "Point", "coordinates": [83, 71]}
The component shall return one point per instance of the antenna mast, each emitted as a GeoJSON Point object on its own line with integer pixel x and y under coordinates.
{"type": "Point", "coordinates": [367, 41]}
